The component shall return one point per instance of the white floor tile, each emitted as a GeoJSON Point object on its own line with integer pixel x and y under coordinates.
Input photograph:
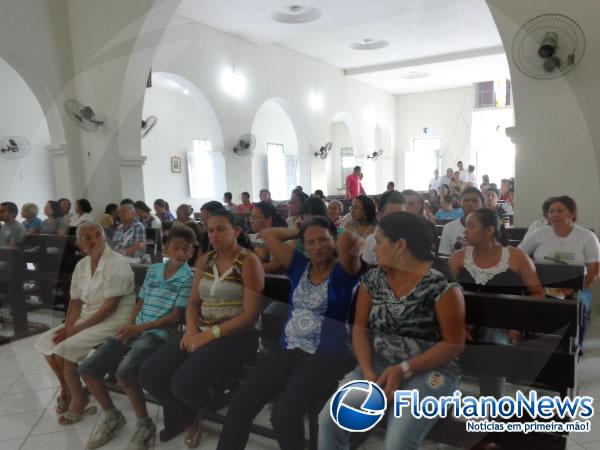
{"type": "Point", "coordinates": [18, 425]}
{"type": "Point", "coordinates": [26, 401]}
{"type": "Point", "coordinates": [33, 382]}
{"type": "Point", "coordinates": [6, 383]}
{"type": "Point", "coordinates": [11, 367]}
{"type": "Point", "coordinates": [48, 423]}
{"type": "Point", "coordinates": [12, 444]}
{"type": "Point", "coordinates": [63, 440]}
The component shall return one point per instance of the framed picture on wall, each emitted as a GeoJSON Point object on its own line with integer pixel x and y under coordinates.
{"type": "Point", "coordinates": [175, 164]}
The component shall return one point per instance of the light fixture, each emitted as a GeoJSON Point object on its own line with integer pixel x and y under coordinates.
{"type": "Point", "coordinates": [414, 75]}
{"type": "Point", "coordinates": [369, 44]}
{"type": "Point", "coordinates": [295, 14]}
{"type": "Point", "coordinates": [186, 92]}
{"type": "Point", "coordinates": [315, 100]}
{"type": "Point", "coordinates": [234, 83]}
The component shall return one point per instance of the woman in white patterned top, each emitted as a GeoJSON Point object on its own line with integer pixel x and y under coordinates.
{"type": "Point", "coordinates": [219, 337]}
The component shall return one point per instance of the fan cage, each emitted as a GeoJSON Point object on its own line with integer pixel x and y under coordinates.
{"type": "Point", "coordinates": [570, 48]}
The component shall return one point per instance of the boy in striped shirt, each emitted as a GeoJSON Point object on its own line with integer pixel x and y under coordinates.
{"type": "Point", "coordinates": [161, 306]}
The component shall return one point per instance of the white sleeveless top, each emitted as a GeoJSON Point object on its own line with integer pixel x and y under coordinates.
{"type": "Point", "coordinates": [481, 275]}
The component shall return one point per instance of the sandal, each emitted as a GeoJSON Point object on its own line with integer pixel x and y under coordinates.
{"type": "Point", "coordinates": [61, 405]}
{"type": "Point", "coordinates": [69, 418]}
{"type": "Point", "coordinates": [192, 439]}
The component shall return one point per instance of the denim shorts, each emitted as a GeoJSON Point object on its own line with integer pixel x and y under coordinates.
{"type": "Point", "coordinates": [124, 359]}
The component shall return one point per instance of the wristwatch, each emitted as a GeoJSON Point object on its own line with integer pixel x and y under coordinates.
{"type": "Point", "coordinates": [216, 331]}
{"type": "Point", "coordinates": [406, 370]}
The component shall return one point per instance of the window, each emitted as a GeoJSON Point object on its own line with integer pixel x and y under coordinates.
{"type": "Point", "coordinates": [421, 161]}
{"type": "Point", "coordinates": [348, 162]}
{"type": "Point", "coordinates": [493, 94]}
{"type": "Point", "coordinates": [277, 171]}
{"type": "Point", "coordinates": [203, 163]}
{"type": "Point", "coordinates": [494, 151]}
{"type": "Point", "coordinates": [291, 171]}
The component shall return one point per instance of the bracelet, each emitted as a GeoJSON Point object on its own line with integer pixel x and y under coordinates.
{"type": "Point", "coordinates": [216, 331]}
{"type": "Point", "coordinates": [406, 370]}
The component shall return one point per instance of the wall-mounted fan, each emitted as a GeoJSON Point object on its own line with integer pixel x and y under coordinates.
{"type": "Point", "coordinates": [147, 125]}
{"type": "Point", "coordinates": [84, 116]}
{"type": "Point", "coordinates": [548, 46]}
{"type": "Point", "coordinates": [245, 145]}
{"type": "Point", "coordinates": [324, 151]}
{"type": "Point", "coordinates": [14, 147]}
{"type": "Point", "coordinates": [375, 155]}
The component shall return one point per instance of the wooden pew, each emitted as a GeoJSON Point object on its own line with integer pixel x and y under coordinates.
{"type": "Point", "coordinates": [50, 261]}
{"type": "Point", "coordinates": [154, 244]}
{"type": "Point", "coordinates": [12, 293]}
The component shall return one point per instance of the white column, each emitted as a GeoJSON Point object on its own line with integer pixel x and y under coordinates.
{"type": "Point", "coordinates": [132, 177]}
{"type": "Point", "coordinates": [59, 160]}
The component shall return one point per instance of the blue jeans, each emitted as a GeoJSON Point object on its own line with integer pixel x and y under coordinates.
{"type": "Point", "coordinates": [585, 297]}
{"type": "Point", "coordinates": [489, 384]}
{"type": "Point", "coordinates": [125, 358]}
{"type": "Point", "coordinates": [403, 433]}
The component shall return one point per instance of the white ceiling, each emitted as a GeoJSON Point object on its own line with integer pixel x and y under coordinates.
{"type": "Point", "coordinates": [415, 29]}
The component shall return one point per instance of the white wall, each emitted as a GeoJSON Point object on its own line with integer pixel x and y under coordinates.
{"type": "Point", "coordinates": [447, 114]}
{"type": "Point", "coordinates": [556, 121]}
{"type": "Point", "coordinates": [271, 71]}
{"type": "Point", "coordinates": [35, 40]}
{"type": "Point", "coordinates": [28, 179]}
{"type": "Point", "coordinates": [181, 118]}
{"type": "Point", "coordinates": [271, 126]}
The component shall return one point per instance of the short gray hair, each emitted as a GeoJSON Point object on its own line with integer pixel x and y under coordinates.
{"type": "Point", "coordinates": [31, 207]}
{"type": "Point", "coordinates": [337, 202]}
{"type": "Point", "coordinates": [87, 224]}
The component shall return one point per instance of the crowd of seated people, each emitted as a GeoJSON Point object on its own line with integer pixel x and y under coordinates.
{"type": "Point", "coordinates": [212, 278]}
{"type": "Point", "coordinates": [445, 192]}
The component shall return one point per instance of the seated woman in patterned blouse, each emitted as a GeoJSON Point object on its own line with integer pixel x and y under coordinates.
{"type": "Point", "coordinates": [488, 264]}
{"type": "Point", "coordinates": [409, 328]}
{"type": "Point", "coordinates": [313, 355]}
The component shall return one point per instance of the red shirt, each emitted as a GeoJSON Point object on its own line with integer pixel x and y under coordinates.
{"type": "Point", "coordinates": [244, 209]}
{"type": "Point", "coordinates": [352, 186]}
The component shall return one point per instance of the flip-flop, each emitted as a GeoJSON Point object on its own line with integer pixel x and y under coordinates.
{"type": "Point", "coordinates": [69, 418]}
{"type": "Point", "coordinates": [192, 440]}
{"type": "Point", "coordinates": [61, 405]}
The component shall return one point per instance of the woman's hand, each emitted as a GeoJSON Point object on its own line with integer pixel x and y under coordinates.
{"type": "Point", "coordinates": [390, 380]}
{"type": "Point", "coordinates": [127, 333]}
{"type": "Point", "coordinates": [370, 375]}
{"type": "Point", "coordinates": [63, 334]}
{"type": "Point", "coordinates": [186, 339]}
{"type": "Point", "coordinates": [199, 340]}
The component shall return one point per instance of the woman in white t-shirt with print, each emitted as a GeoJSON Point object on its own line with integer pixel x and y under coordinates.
{"type": "Point", "coordinates": [565, 242]}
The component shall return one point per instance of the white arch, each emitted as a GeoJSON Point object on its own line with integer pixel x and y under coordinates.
{"type": "Point", "coordinates": [294, 145]}
{"type": "Point", "coordinates": [25, 179]}
{"type": "Point", "coordinates": [47, 101]}
{"type": "Point", "coordinates": [184, 114]}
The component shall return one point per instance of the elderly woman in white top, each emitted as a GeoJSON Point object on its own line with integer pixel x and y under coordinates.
{"type": "Point", "coordinates": [102, 297]}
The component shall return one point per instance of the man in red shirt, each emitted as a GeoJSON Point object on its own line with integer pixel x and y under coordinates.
{"type": "Point", "coordinates": [353, 186]}
{"type": "Point", "coordinates": [246, 206]}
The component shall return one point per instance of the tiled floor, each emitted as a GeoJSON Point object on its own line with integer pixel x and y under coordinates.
{"type": "Point", "coordinates": [28, 395]}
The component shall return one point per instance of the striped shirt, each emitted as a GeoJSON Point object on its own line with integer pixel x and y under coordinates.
{"type": "Point", "coordinates": [123, 238]}
{"type": "Point", "coordinates": [160, 296]}
{"type": "Point", "coordinates": [221, 294]}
